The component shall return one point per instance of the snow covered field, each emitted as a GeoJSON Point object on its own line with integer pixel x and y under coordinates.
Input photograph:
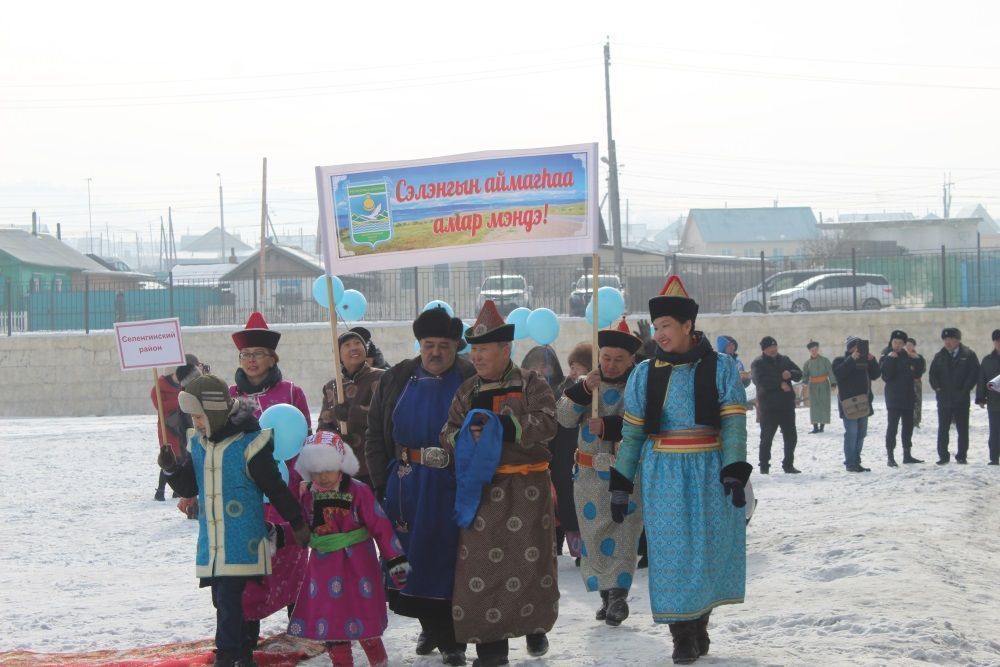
{"type": "Point", "coordinates": [895, 566]}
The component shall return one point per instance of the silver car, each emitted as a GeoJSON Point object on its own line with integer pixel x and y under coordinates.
{"type": "Point", "coordinates": [835, 291]}
{"type": "Point", "coordinates": [752, 300]}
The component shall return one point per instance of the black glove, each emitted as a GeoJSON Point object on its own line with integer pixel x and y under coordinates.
{"type": "Point", "coordinates": [642, 332]}
{"type": "Point", "coordinates": [340, 412]}
{"type": "Point", "coordinates": [619, 506]}
{"type": "Point", "coordinates": [302, 534]}
{"type": "Point", "coordinates": [734, 488]}
{"type": "Point", "coordinates": [166, 460]}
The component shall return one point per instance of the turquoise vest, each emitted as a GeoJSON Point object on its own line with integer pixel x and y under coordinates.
{"type": "Point", "coordinates": [231, 532]}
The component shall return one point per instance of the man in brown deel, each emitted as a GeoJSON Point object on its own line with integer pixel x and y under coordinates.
{"type": "Point", "coordinates": [505, 576]}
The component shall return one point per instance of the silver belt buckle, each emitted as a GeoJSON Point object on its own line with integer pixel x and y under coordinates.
{"type": "Point", "coordinates": [435, 457]}
{"type": "Point", "coordinates": [603, 461]}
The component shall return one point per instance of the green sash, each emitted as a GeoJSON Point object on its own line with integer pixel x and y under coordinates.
{"type": "Point", "coordinates": [337, 541]}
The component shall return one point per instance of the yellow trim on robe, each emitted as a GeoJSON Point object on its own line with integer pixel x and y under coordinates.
{"type": "Point", "coordinates": [633, 420]}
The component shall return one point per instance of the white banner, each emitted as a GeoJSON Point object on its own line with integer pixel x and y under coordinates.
{"type": "Point", "coordinates": [149, 344]}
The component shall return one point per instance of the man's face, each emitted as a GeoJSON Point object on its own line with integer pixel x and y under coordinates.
{"type": "Point", "coordinates": [771, 351]}
{"type": "Point", "coordinates": [200, 423]}
{"type": "Point", "coordinates": [952, 343]}
{"type": "Point", "coordinates": [437, 355]}
{"type": "Point", "coordinates": [897, 344]}
{"type": "Point", "coordinates": [490, 359]}
{"type": "Point", "coordinates": [615, 361]}
{"type": "Point", "coordinates": [814, 352]}
{"type": "Point", "coordinates": [911, 347]}
{"type": "Point", "coordinates": [352, 353]}
{"type": "Point", "coordinates": [996, 345]}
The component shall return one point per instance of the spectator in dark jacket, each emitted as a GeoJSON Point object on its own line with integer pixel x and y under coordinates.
{"type": "Point", "coordinates": [985, 398]}
{"type": "Point", "coordinates": [773, 375]}
{"type": "Point", "coordinates": [899, 370]}
{"type": "Point", "coordinates": [854, 374]}
{"type": "Point", "coordinates": [953, 374]}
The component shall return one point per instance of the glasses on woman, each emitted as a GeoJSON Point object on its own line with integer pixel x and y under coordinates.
{"type": "Point", "coordinates": [245, 356]}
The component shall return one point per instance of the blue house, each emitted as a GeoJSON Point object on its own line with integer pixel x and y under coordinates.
{"type": "Point", "coordinates": [746, 232]}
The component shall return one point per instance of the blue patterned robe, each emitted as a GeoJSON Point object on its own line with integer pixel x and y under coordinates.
{"type": "Point", "coordinates": [696, 538]}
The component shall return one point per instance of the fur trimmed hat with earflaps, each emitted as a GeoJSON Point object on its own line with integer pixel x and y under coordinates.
{"type": "Point", "coordinates": [207, 395]}
{"type": "Point", "coordinates": [324, 451]}
{"type": "Point", "coordinates": [583, 354]}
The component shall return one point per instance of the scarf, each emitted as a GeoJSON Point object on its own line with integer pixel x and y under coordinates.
{"type": "Point", "coordinates": [706, 394]}
{"type": "Point", "coordinates": [243, 383]}
{"type": "Point", "coordinates": [475, 464]}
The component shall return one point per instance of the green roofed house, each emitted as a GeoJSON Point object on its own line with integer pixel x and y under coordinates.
{"type": "Point", "coordinates": [746, 232]}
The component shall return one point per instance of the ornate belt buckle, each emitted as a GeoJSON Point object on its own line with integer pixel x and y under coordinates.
{"type": "Point", "coordinates": [403, 470]}
{"type": "Point", "coordinates": [603, 461]}
{"type": "Point", "coordinates": [435, 457]}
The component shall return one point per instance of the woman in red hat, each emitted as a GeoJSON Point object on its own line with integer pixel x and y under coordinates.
{"type": "Point", "coordinates": [259, 380]}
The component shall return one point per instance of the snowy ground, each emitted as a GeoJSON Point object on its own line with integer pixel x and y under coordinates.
{"type": "Point", "coordinates": [896, 566]}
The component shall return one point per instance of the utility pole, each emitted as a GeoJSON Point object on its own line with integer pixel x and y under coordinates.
{"type": "Point", "coordinates": [947, 196]}
{"type": "Point", "coordinates": [263, 228]}
{"type": "Point", "coordinates": [627, 241]}
{"type": "Point", "coordinates": [615, 206]}
{"type": "Point", "coordinates": [163, 242]}
{"type": "Point", "coordinates": [222, 224]}
{"type": "Point", "coordinates": [172, 248]}
{"type": "Point", "coordinates": [90, 217]}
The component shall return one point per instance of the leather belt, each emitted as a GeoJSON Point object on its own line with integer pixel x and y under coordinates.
{"type": "Point", "coordinates": [816, 379]}
{"type": "Point", "coordinates": [601, 462]}
{"type": "Point", "coordinates": [432, 457]}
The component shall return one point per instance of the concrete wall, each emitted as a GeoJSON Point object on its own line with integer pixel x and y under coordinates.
{"type": "Point", "coordinates": [47, 375]}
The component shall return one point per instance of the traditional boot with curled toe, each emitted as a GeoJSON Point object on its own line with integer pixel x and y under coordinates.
{"type": "Point", "coordinates": [617, 606]}
{"type": "Point", "coordinates": [685, 636]}
{"type": "Point", "coordinates": [602, 613]}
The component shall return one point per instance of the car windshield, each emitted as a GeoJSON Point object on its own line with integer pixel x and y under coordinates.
{"type": "Point", "coordinates": [587, 282]}
{"type": "Point", "coordinates": [505, 283]}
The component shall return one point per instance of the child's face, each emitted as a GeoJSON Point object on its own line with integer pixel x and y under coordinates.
{"type": "Point", "coordinates": [576, 370]}
{"type": "Point", "coordinates": [327, 479]}
{"type": "Point", "coordinates": [200, 424]}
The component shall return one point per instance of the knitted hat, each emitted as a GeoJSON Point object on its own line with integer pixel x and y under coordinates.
{"type": "Point", "coordinates": [436, 323]}
{"type": "Point", "coordinates": [851, 342]}
{"type": "Point", "coordinates": [811, 344]}
{"type": "Point", "coordinates": [766, 342]}
{"type": "Point", "coordinates": [324, 451]}
{"type": "Point", "coordinates": [582, 354]}
{"type": "Point", "coordinates": [996, 334]}
{"type": "Point", "coordinates": [256, 334]}
{"type": "Point", "coordinates": [352, 334]}
{"type": "Point", "coordinates": [901, 335]}
{"type": "Point", "coordinates": [673, 302]}
{"type": "Point", "coordinates": [189, 371]}
{"type": "Point", "coordinates": [619, 336]}
{"type": "Point", "coordinates": [207, 395]}
{"type": "Point", "coordinates": [951, 332]}
{"type": "Point", "coordinates": [489, 327]}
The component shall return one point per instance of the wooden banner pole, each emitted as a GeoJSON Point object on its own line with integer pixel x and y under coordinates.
{"type": "Point", "coordinates": [159, 408]}
{"type": "Point", "coordinates": [595, 352]}
{"type": "Point", "coordinates": [336, 347]}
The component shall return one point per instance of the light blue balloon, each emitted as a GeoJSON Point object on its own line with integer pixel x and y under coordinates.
{"type": "Point", "coordinates": [519, 318]}
{"type": "Point", "coordinates": [290, 429]}
{"type": "Point", "coordinates": [543, 326]}
{"type": "Point", "coordinates": [437, 303]}
{"type": "Point", "coordinates": [588, 314]}
{"type": "Point", "coordinates": [319, 291]}
{"type": "Point", "coordinates": [612, 302]}
{"type": "Point", "coordinates": [603, 322]}
{"type": "Point", "coordinates": [353, 306]}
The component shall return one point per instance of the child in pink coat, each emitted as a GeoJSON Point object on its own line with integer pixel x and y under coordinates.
{"type": "Point", "coordinates": [342, 598]}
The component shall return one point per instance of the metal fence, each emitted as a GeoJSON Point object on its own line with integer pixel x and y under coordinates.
{"type": "Point", "coordinates": [945, 279]}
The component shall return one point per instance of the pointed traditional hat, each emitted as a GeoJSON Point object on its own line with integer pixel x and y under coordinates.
{"type": "Point", "coordinates": [673, 302]}
{"type": "Point", "coordinates": [489, 327]}
{"type": "Point", "coordinates": [619, 336]}
{"type": "Point", "coordinates": [256, 334]}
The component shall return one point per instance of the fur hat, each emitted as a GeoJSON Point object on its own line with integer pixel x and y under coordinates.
{"type": "Point", "coordinates": [811, 344]}
{"type": "Point", "coordinates": [582, 354]}
{"type": "Point", "coordinates": [189, 371]}
{"type": "Point", "coordinates": [325, 451]}
{"type": "Point", "coordinates": [996, 334]}
{"type": "Point", "coordinates": [436, 323]}
{"type": "Point", "coordinates": [767, 341]}
{"type": "Point", "coordinates": [619, 336]}
{"type": "Point", "coordinates": [256, 334]}
{"type": "Point", "coordinates": [489, 327]}
{"type": "Point", "coordinates": [673, 302]}
{"type": "Point", "coordinates": [901, 335]}
{"type": "Point", "coordinates": [951, 332]}
{"type": "Point", "coordinates": [207, 395]}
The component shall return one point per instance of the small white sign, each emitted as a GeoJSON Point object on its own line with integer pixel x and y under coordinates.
{"type": "Point", "coordinates": [149, 344]}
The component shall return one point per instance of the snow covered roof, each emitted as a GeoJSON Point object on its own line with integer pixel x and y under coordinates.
{"type": "Point", "coordinates": [45, 250]}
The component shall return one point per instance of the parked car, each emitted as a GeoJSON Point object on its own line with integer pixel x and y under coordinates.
{"type": "Point", "coordinates": [507, 292]}
{"type": "Point", "coordinates": [834, 291]}
{"type": "Point", "coordinates": [752, 300]}
{"type": "Point", "coordinates": [583, 291]}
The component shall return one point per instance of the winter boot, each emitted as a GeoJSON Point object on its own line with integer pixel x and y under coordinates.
{"type": "Point", "coordinates": [617, 607]}
{"type": "Point", "coordinates": [764, 469]}
{"type": "Point", "coordinates": [791, 470]}
{"type": "Point", "coordinates": [685, 636]}
{"type": "Point", "coordinates": [454, 656]}
{"type": "Point", "coordinates": [908, 458]}
{"type": "Point", "coordinates": [891, 460]}
{"type": "Point", "coordinates": [703, 640]}
{"type": "Point", "coordinates": [425, 643]}
{"type": "Point", "coordinates": [159, 495]}
{"type": "Point", "coordinates": [816, 429]}
{"type": "Point", "coordinates": [602, 613]}
{"type": "Point", "coordinates": [538, 645]}
{"type": "Point", "coordinates": [822, 427]}
{"type": "Point", "coordinates": [224, 658]}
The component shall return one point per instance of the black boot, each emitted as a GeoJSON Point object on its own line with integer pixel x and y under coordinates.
{"type": "Point", "coordinates": [764, 468]}
{"type": "Point", "coordinates": [908, 458]}
{"type": "Point", "coordinates": [602, 613]}
{"type": "Point", "coordinates": [685, 636]}
{"type": "Point", "coordinates": [538, 645]}
{"type": "Point", "coordinates": [891, 460]}
{"type": "Point", "coordinates": [703, 640]}
{"type": "Point", "coordinates": [816, 428]}
{"type": "Point", "coordinates": [822, 427]}
{"type": "Point", "coordinates": [617, 606]}
{"type": "Point", "coordinates": [425, 643]}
